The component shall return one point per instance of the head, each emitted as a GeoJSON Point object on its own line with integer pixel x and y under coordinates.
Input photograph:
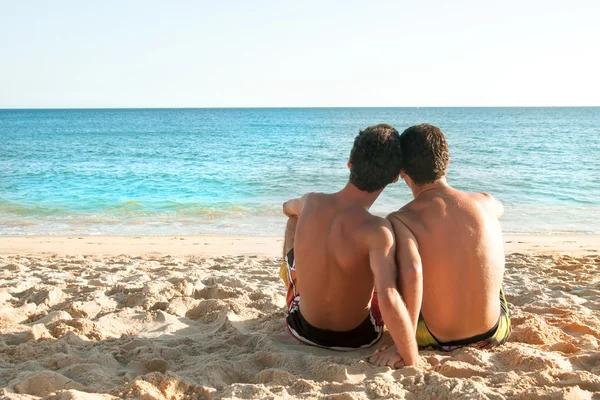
{"type": "Point", "coordinates": [376, 158]}
{"type": "Point", "coordinates": [425, 155]}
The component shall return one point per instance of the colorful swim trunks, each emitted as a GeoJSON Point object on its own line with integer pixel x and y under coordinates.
{"type": "Point", "coordinates": [364, 335]}
{"type": "Point", "coordinates": [494, 337]}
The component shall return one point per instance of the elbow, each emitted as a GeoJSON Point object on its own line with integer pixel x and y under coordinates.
{"type": "Point", "coordinates": [388, 299]}
{"type": "Point", "coordinates": [412, 274]}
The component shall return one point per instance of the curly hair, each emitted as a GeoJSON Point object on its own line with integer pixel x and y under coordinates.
{"type": "Point", "coordinates": [425, 153]}
{"type": "Point", "coordinates": [376, 158]}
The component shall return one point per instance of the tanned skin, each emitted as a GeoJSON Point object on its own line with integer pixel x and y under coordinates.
{"type": "Point", "coordinates": [456, 237]}
{"type": "Point", "coordinates": [341, 252]}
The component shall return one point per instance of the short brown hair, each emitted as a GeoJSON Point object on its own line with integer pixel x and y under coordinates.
{"type": "Point", "coordinates": [376, 158]}
{"type": "Point", "coordinates": [425, 153]}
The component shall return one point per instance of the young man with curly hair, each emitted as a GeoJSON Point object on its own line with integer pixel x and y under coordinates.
{"type": "Point", "coordinates": [336, 252]}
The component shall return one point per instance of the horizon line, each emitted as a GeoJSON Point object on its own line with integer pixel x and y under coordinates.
{"type": "Point", "coordinates": [276, 107]}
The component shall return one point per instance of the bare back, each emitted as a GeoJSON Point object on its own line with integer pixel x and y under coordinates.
{"type": "Point", "coordinates": [332, 264]}
{"type": "Point", "coordinates": [461, 249]}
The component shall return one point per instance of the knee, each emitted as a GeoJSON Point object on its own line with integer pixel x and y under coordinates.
{"type": "Point", "coordinates": [293, 220]}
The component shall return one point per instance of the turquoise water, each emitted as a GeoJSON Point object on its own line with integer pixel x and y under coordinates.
{"type": "Point", "coordinates": [227, 171]}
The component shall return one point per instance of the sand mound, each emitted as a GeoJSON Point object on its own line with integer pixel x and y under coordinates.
{"type": "Point", "coordinates": [200, 328]}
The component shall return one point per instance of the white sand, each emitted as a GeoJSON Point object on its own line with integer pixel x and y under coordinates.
{"type": "Point", "coordinates": [165, 318]}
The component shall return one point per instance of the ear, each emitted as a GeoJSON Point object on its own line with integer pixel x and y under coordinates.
{"type": "Point", "coordinates": [402, 174]}
{"type": "Point", "coordinates": [349, 164]}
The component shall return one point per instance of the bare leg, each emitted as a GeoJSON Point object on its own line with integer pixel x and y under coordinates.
{"type": "Point", "coordinates": [290, 234]}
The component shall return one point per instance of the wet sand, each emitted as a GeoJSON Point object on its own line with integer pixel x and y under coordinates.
{"type": "Point", "coordinates": [244, 245]}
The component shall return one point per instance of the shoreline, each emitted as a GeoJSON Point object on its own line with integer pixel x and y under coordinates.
{"type": "Point", "coordinates": [269, 246]}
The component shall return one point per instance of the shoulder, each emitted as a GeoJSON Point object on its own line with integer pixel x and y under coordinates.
{"type": "Point", "coordinates": [377, 232]}
{"type": "Point", "coordinates": [489, 202]}
{"type": "Point", "coordinates": [483, 196]}
{"type": "Point", "coordinates": [486, 197]}
{"type": "Point", "coordinates": [406, 216]}
{"type": "Point", "coordinates": [294, 207]}
{"type": "Point", "coordinates": [309, 197]}
{"type": "Point", "coordinates": [314, 196]}
{"type": "Point", "coordinates": [401, 222]}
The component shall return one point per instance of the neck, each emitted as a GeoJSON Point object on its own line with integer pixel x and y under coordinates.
{"type": "Point", "coordinates": [353, 194]}
{"type": "Point", "coordinates": [439, 184]}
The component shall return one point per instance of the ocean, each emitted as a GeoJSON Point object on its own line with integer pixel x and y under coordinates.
{"type": "Point", "coordinates": [227, 171]}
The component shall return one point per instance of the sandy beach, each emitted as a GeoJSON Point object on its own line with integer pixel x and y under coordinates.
{"type": "Point", "coordinates": [87, 317]}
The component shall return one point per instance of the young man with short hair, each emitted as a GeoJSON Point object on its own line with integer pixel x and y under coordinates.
{"type": "Point", "coordinates": [457, 239]}
{"type": "Point", "coordinates": [336, 252]}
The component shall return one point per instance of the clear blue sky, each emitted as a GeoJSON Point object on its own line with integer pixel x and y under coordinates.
{"type": "Point", "coordinates": [301, 53]}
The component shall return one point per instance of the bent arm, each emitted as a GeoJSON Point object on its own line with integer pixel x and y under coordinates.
{"type": "Point", "coordinates": [382, 249]}
{"type": "Point", "coordinates": [410, 269]}
{"type": "Point", "coordinates": [294, 207]}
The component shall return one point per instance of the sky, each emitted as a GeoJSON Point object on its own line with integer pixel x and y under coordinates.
{"type": "Point", "coordinates": [77, 54]}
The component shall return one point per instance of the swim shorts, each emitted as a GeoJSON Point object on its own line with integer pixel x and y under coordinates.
{"type": "Point", "coordinates": [364, 335]}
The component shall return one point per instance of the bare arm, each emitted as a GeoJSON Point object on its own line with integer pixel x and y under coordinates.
{"type": "Point", "coordinates": [410, 269]}
{"type": "Point", "coordinates": [294, 207]}
{"type": "Point", "coordinates": [382, 249]}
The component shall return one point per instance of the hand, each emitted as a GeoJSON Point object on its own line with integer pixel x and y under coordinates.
{"type": "Point", "coordinates": [387, 356]}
